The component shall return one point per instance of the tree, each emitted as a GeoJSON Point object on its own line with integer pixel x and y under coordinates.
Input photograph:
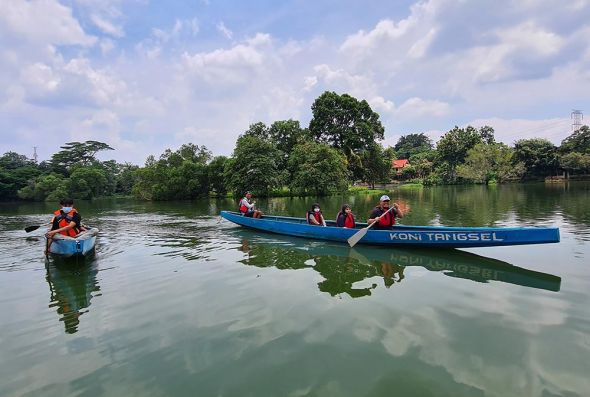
{"type": "Point", "coordinates": [76, 153]}
{"type": "Point", "coordinates": [258, 130]}
{"type": "Point", "coordinates": [486, 163]}
{"type": "Point", "coordinates": [409, 172]}
{"type": "Point", "coordinates": [253, 166]}
{"type": "Point", "coordinates": [194, 153]}
{"type": "Point", "coordinates": [15, 172]}
{"type": "Point", "coordinates": [453, 147]}
{"type": "Point", "coordinates": [45, 187]}
{"type": "Point", "coordinates": [346, 124]}
{"type": "Point", "coordinates": [87, 183]}
{"type": "Point", "coordinates": [487, 135]}
{"type": "Point", "coordinates": [579, 141]}
{"type": "Point", "coordinates": [216, 170]}
{"type": "Point", "coordinates": [177, 175]}
{"type": "Point", "coordinates": [286, 134]}
{"type": "Point", "coordinates": [377, 164]}
{"type": "Point", "coordinates": [538, 155]}
{"type": "Point", "coordinates": [575, 162]}
{"type": "Point", "coordinates": [423, 163]}
{"type": "Point", "coordinates": [411, 144]}
{"type": "Point", "coordinates": [317, 169]}
{"type": "Point", "coordinates": [125, 178]}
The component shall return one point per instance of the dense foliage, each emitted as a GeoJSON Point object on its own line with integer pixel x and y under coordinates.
{"type": "Point", "coordinates": [341, 147]}
{"type": "Point", "coordinates": [348, 125]}
{"type": "Point", "coordinates": [317, 169]}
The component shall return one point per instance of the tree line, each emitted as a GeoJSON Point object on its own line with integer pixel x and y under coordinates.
{"type": "Point", "coordinates": [340, 147]}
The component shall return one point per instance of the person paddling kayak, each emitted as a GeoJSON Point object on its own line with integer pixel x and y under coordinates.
{"type": "Point", "coordinates": [66, 221]}
{"type": "Point", "coordinates": [247, 207]}
{"type": "Point", "coordinates": [383, 218]}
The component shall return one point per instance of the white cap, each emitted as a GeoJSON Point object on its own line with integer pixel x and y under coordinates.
{"type": "Point", "coordinates": [384, 198]}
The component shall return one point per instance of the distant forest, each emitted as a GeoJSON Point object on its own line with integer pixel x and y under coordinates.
{"type": "Point", "coordinates": [339, 148]}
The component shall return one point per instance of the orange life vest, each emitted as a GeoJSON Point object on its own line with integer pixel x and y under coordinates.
{"type": "Point", "coordinates": [387, 220]}
{"type": "Point", "coordinates": [316, 215]}
{"type": "Point", "coordinates": [349, 221]}
{"type": "Point", "coordinates": [243, 208]}
{"type": "Point", "coordinates": [64, 219]}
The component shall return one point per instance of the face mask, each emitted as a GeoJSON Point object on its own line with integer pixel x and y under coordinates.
{"type": "Point", "coordinates": [316, 209]}
{"type": "Point", "coordinates": [66, 209]}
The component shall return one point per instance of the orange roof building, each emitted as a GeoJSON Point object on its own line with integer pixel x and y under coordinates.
{"type": "Point", "coordinates": [399, 164]}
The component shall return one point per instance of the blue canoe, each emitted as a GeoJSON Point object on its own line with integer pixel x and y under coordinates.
{"type": "Point", "coordinates": [439, 236]}
{"type": "Point", "coordinates": [67, 246]}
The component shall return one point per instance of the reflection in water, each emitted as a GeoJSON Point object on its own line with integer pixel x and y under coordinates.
{"type": "Point", "coordinates": [342, 266]}
{"type": "Point", "coordinates": [72, 283]}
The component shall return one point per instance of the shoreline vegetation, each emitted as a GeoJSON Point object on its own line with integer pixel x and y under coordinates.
{"type": "Point", "coordinates": [339, 152]}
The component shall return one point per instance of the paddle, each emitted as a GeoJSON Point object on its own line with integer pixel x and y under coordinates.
{"type": "Point", "coordinates": [35, 227]}
{"type": "Point", "coordinates": [355, 238]}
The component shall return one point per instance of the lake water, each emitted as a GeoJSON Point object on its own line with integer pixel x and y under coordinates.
{"type": "Point", "coordinates": [177, 302]}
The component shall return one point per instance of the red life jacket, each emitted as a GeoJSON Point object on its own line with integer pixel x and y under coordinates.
{"type": "Point", "coordinates": [316, 215]}
{"type": "Point", "coordinates": [64, 219]}
{"type": "Point", "coordinates": [243, 208]}
{"type": "Point", "coordinates": [349, 221]}
{"type": "Point", "coordinates": [388, 219]}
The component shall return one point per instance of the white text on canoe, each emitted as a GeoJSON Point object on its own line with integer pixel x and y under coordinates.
{"type": "Point", "coordinates": [438, 236]}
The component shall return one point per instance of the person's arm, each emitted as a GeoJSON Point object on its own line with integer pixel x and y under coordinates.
{"type": "Point", "coordinates": [247, 204]}
{"type": "Point", "coordinates": [51, 233]}
{"type": "Point", "coordinates": [323, 221]}
{"type": "Point", "coordinates": [374, 217]}
{"type": "Point", "coordinates": [398, 212]}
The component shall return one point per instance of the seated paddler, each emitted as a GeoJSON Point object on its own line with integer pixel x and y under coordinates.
{"type": "Point", "coordinates": [247, 207]}
{"type": "Point", "coordinates": [315, 217]}
{"type": "Point", "coordinates": [382, 214]}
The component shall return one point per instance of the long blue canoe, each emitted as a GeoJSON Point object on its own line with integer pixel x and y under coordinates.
{"type": "Point", "coordinates": [66, 246]}
{"type": "Point", "coordinates": [439, 236]}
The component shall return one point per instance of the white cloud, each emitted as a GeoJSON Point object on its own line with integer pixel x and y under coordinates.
{"type": "Point", "coordinates": [382, 105]}
{"type": "Point", "coordinates": [228, 34]}
{"type": "Point", "coordinates": [106, 45]}
{"type": "Point", "coordinates": [42, 22]}
{"type": "Point", "coordinates": [511, 130]}
{"type": "Point", "coordinates": [232, 66]}
{"type": "Point", "coordinates": [181, 26]}
{"type": "Point", "coordinates": [358, 85]}
{"type": "Point", "coordinates": [107, 26]}
{"type": "Point", "coordinates": [417, 107]}
{"type": "Point", "coordinates": [444, 63]}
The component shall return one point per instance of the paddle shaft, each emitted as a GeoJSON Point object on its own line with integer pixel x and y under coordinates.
{"type": "Point", "coordinates": [355, 238]}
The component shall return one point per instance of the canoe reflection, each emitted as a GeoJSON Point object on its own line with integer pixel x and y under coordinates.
{"type": "Point", "coordinates": [342, 266]}
{"type": "Point", "coordinates": [72, 283]}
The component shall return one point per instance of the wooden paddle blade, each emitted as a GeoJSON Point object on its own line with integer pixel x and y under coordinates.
{"type": "Point", "coordinates": [355, 238]}
{"type": "Point", "coordinates": [31, 228]}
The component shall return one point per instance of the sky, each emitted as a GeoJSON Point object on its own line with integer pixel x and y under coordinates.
{"type": "Point", "coordinates": [145, 76]}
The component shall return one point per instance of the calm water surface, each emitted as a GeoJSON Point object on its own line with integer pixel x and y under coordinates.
{"type": "Point", "coordinates": [177, 302]}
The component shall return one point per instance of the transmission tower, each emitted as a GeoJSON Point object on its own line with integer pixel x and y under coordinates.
{"type": "Point", "coordinates": [577, 117]}
{"type": "Point", "coordinates": [35, 153]}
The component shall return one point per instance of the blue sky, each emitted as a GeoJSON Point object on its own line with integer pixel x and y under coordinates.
{"type": "Point", "coordinates": [144, 76]}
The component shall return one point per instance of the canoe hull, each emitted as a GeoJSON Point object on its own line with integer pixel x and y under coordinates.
{"type": "Point", "coordinates": [400, 235]}
{"type": "Point", "coordinates": [80, 245]}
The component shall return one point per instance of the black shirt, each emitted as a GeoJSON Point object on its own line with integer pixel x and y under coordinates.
{"type": "Point", "coordinates": [76, 218]}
